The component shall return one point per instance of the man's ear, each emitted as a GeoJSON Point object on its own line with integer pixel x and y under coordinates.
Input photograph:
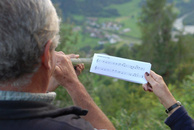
{"type": "Point", "coordinates": [46, 57]}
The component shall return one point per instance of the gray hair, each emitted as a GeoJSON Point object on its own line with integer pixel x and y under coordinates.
{"type": "Point", "coordinates": [25, 27]}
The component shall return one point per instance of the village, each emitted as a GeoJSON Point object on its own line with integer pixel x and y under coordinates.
{"type": "Point", "coordinates": [110, 32]}
{"type": "Point", "coordinates": [106, 32]}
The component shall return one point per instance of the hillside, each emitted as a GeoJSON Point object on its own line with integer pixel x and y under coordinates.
{"type": "Point", "coordinates": [100, 8]}
{"type": "Point", "coordinates": [89, 8]}
{"type": "Point", "coordinates": [101, 22]}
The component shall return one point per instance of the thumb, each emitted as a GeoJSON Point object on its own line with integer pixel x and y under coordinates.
{"type": "Point", "coordinates": [57, 72]}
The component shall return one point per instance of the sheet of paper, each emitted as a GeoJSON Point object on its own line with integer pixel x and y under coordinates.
{"type": "Point", "coordinates": [125, 69]}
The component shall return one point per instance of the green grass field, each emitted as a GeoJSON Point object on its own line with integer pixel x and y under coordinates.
{"type": "Point", "coordinates": [129, 15]}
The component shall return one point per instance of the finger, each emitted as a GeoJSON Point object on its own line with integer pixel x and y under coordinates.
{"type": "Point", "coordinates": [150, 79]}
{"type": "Point", "coordinates": [59, 55]}
{"type": "Point", "coordinates": [145, 87]}
{"type": "Point", "coordinates": [73, 55]}
{"type": "Point", "coordinates": [79, 69]}
{"type": "Point", "coordinates": [155, 76]}
{"type": "Point", "coordinates": [150, 89]}
{"type": "Point", "coordinates": [82, 66]}
{"type": "Point", "coordinates": [59, 52]}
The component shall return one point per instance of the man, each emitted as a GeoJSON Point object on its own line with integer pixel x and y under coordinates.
{"type": "Point", "coordinates": [28, 61]}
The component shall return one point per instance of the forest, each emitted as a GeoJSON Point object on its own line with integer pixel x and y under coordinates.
{"type": "Point", "coordinates": [126, 104]}
{"type": "Point", "coordinates": [89, 7]}
{"type": "Point", "coordinates": [99, 8]}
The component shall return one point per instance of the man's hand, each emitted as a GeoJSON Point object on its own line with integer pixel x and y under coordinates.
{"type": "Point", "coordinates": [66, 76]}
{"type": "Point", "coordinates": [54, 83]}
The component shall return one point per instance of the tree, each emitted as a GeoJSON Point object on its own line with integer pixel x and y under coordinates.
{"type": "Point", "coordinates": [156, 22]}
{"type": "Point", "coordinates": [68, 39]}
{"type": "Point", "coordinates": [124, 52]}
{"type": "Point", "coordinates": [184, 57]}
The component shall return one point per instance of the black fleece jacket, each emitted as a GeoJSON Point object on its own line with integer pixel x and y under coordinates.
{"type": "Point", "coordinates": [29, 115]}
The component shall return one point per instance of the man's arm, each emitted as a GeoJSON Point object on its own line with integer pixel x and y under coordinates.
{"type": "Point", "coordinates": [82, 99]}
{"type": "Point", "coordinates": [66, 76]}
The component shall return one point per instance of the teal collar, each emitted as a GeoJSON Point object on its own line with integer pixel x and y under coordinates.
{"type": "Point", "coordinates": [24, 96]}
